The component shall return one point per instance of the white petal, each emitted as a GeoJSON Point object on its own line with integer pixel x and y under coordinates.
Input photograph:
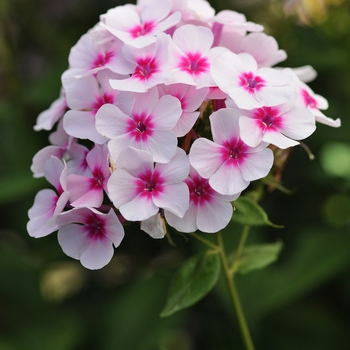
{"type": "Point", "coordinates": [205, 157]}
{"type": "Point", "coordinates": [251, 133]}
{"type": "Point", "coordinates": [138, 209]}
{"type": "Point", "coordinates": [174, 197]}
{"type": "Point", "coordinates": [228, 180]}
{"type": "Point", "coordinates": [214, 215]}
{"type": "Point", "coordinates": [98, 254]}
{"type": "Point", "coordinates": [256, 165]}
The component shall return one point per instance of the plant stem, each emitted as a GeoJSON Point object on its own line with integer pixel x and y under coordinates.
{"type": "Point", "coordinates": [234, 295]}
{"type": "Point", "coordinates": [239, 250]}
{"type": "Point", "coordinates": [204, 241]}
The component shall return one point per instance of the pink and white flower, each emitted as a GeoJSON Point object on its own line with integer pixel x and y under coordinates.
{"type": "Point", "coordinates": [191, 55]}
{"type": "Point", "coordinates": [209, 211]}
{"type": "Point", "coordinates": [131, 24]}
{"type": "Point", "coordinates": [249, 86]}
{"type": "Point", "coordinates": [227, 161]}
{"type": "Point", "coordinates": [307, 98]}
{"type": "Point", "coordinates": [62, 146]}
{"type": "Point", "coordinates": [89, 55]}
{"type": "Point", "coordinates": [139, 188]}
{"type": "Point", "coordinates": [48, 204]}
{"type": "Point", "coordinates": [147, 66]}
{"type": "Point", "coordinates": [85, 96]}
{"type": "Point", "coordinates": [190, 98]}
{"type": "Point", "coordinates": [88, 235]}
{"type": "Point", "coordinates": [279, 125]}
{"type": "Point", "coordinates": [88, 190]}
{"type": "Point", "coordinates": [149, 127]}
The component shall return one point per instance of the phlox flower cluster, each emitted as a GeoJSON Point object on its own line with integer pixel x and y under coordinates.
{"type": "Point", "coordinates": [167, 112]}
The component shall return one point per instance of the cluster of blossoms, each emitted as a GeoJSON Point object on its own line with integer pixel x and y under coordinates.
{"type": "Point", "coordinates": [133, 138]}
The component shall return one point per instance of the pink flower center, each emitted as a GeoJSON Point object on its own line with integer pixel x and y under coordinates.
{"type": "Point", "coordinates": [145, 68]}
{"type": "Point", "coordinates": [150, 183]}
{"type": "Point", "coordinates": [308, 100]}
{"type": "Point", "coordinates": [268, 117]}
{"type": "Point", "coordinates": [235, 151]}
{"type": "Point", "coordinates": [140, 127]}
{"type": "Point", "coordinates": [101, 100]}
{"type": "Point", "coordinates": [102, 59]}
{"type": "Point", "coordinates": [200, 190]}
{"type": "Point", "coordinates": [140, 30]}
{"type": "Point", "coordinates": [95, 227]}
{"type": "Point", "coordinates": [194, 63]}
{"type": "Point", "coordinates": [251, 82]}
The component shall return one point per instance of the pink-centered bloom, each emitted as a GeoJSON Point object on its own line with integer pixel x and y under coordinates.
{"type": "Point", "coordinates": [88, 190]}
{"type": "Point", "coordinates": [227, 161]}
{"type": "Point", "coordinates": [307, 98]}
{"type": "Point", "coordinates": [87, 235]}
{"type": "Point", "coordinates": [280, 125]}
{"type": "Point", "coordinates": [85, 96]}
{"type": "Point", "coordinates": [132, 24]}
{"type": "Point", "coordinates": [190, 98]}
{"type": "Point", "coordinates": [90, 55]}
{"type": "Point", "coordinates": [48, 204]}
{"type": "Point", "coordinates": [249, 86]}
{"type": "Point", "coordinates": [209, 211]}
{"type": "Point", "coordinates": [139, 187]}
{"type": "Point", "coordinates": [149, 127]}
{"type": "Point", "coordinates": [146, 66]}
{"type": "Point", "coordinates": [62, 146]}
{"type": "Point", "coordinates": [191, 56]}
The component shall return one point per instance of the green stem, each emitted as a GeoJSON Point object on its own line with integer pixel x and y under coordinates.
{"type": "Point", "coordinates": [205, 241]}
{"type": "Point", "coordinates": [234, 296]}
{"type": "Point", "coordinates": [239, 250]}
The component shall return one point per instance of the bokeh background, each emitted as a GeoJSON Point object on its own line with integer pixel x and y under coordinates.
{"type": "Point", "coordinates": [48, 301]}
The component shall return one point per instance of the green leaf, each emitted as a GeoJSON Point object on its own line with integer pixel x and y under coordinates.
{"type": "Point", "coordinates": [195, 278]}
{"type": "Point", "coordinates": [258, 256]}
{"type": "Point", "coordinates": [249, 213]}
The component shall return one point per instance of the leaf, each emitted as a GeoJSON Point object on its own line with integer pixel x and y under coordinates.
{"type": "Point", "coordinates": [249, 213]}
{"type": "Point", "coordinates": [258, 256]}
{"type": "Point", "coordinates": [195, 278]}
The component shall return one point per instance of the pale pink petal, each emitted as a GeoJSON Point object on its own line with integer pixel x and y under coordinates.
{"type": "Point", "coordinates": [205, 157]}
{"type": "Point", "coordinates": [98, 254]}
{"type": "Point", "coordinates": [251, 132]}
{"type": "Point", "coordinates": [81, 124]}
{"type": "Point", "coordinates": [228, 180]}
{"type": "Point", "coordinates": [41, 212]}
{"type": "Point", "coordinates": [224, 125]}
{"type": "Point", "coordinates": [161, 145]}
{"type": "Point", "coordinates": [256, 165]}
{"type": "Point", "coordinates": [73, 239]}
{"type": "Point", "coordinates": [274, 95]}
{"type": "Point", "coordinates": [298, 123]}
{"type": "Point", "coordinates": [166, 113]}
{"type": "Point", "coordinates": [185, 224]}
{"type": "Point", "coordinates": [214, 215]}
{"type": "Point", "coordinates": [140, 208]}
{"type": "Point", "coordinates": [49, 117]}
{"type": "Point", "coordinates": [190, 38]}
{"type": "Point", "coordinates": [174, 197]}
{"type": "Point", "coordinates": [177, 169]}
{"type": "Point", "coordinates": [122, 187]}
{"type": "Point", "coordinates": [111, 122]}
{"type": "Point", "coordinates": [276, 138]}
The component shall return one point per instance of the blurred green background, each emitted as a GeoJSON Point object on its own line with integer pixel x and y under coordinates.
{"type": "Point", "coordinates": [48, 301]}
